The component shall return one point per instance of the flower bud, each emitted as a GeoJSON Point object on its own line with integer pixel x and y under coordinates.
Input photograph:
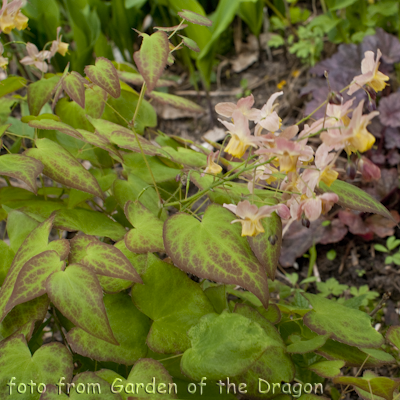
{"type": "Point", "coordinates": [305, 222]}
{"type": "Point", "coordinates": [335, 98]}
{"type": "Point", "coordinates": [368, 169]}
{"type": "Point", "coordinates": [273, 239]}
{"type": "Point", "coordinates": [178, 178]}
{"type": "Point", "coordinates": [371, 105]}
{"type": "Point", "coordinates": [371, 93]}
{"type": "Point", "coordinates": [351, 170]}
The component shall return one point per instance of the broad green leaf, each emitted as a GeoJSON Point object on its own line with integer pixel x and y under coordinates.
{"type": "Point", "coordinates": [35, 243]}
{"type": "Point", "coordinates": [190, 43]}
{"type": "Point", "coordinates": [136, 188]}
{"type": "Point", "coordinates": [267, 246]}
{"type": "Point", "coordinates": [176, 101]}
{"type": "Point", "coordinates": [79, 244]}
{"type": "Point", "coordinates": [352, 197]}
{"type": "Point", "coordinates": [50, 124]}
{"type": "Point", "coordinates": [40, 92]}
{"type": "Point", "coordinates": [144, 375]}
{"type": "Point", "coordinates": [20, 167]}
{"type": "Point", "coordinates": [307, 346]}
{"type": "Point", "coordinates": [104, 74]}
{"type": "Point", "coordinates": [75, 89]}
{"type": "Point", "coordinates": [187, 157]}
{"type": "Point", "coordinates": [354, 357]}
{"type": "Point", "coordinates": [152, 57]}
{"type": "Point", "coordinates": [173, 301]}
{"type": "Point", "coordinates": [89, 386]}
{"type": "Point", "coordinates": [46, 366]}
{"type": "Point", "coordinates": [136, 79]}
{"type": "Point", "coordinates": [62, 167]}
{"type": "Point", "coordinates": [130, 328]}
{"type": "Point", "coordinates": [380, 386]}
{"type": "Point", "coordinates": [134, 164]}
{"type": "Point", "coordinates": [196, 247]}
{"type": "Point", "coordinates": [31, 281]}
{"type": "Point", "coordinates": [393, 336]}
{"type": "Point", "coordinates": [217, 297]}
{"type": "Point", "coordinates": [11, 84]}
{"type": "Point", "coordinates": [19, 226]}
{"type": "Point", "coordinates": [147, 235]}
{"type": "Point", "coordinates": [22, 318]}
{"type": "Point", "coordinates": [195, 18]}
{"type": "Point", "coordinates": [105, 259]}
{"type": "Point", "coordinates": [327, 369]}
{"type": "Point", "coordinates": [346, 325]}
{"type": "Point", "coordinates": [223, 345]}
{"type": "Point", "coordinates": [272, 314]}
{"type": "Point", "coordinates": [68, 291]}
{"type": "Point", "coordinates": [367, 395]}
{"type": "Point", "coordinates": [6, 258]}
{"type": "Point", "coordinates": [52, 393]}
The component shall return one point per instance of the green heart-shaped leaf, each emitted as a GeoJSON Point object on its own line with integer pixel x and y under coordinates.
{"type": "Point", "coordinates": [173, 301]}
{"type": "Point", "coordinates": [176, 101]}
{"type": "Point", "coordinates": [31, 281]}
{"type": "Point", "coordinates": [214, 249]}
{"type": "Point", "coordinates": [76, 292]}
{"type": "Point", "coordinates": [147, 235]}
{"type": "Point", "coordinates": [152, 57]}
{"type": "Point", "coordinates": [104, 74]}
{"type": "Point", "coordinates": [39, 93]}
{"type": "Point", "coordinates": [327, 369]}
{"type": "Point", "coordinates": [50, 124]}
{"type": "Point", "coordinates": [307, 346]}
{"type": "Point", "coordinates": [46, 366]}
{"type": "Point", "coordinates": [224, 345]}
{"type": "Point", "coordinates": [21, 167]}
{"type": "Point", "coordinates": [35, 243]}
{"type": "Point", "coordinates": [75, 89]}
{"type": "Point", "coordinates": [124, 318]}
{"type": "Point", "coordinates": [62, 167]}
{"type": "Point", "coordinates": [341, 323]}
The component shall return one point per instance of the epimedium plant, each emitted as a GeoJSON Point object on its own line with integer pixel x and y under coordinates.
{"type": "Point", "coordinates": [126, 315]}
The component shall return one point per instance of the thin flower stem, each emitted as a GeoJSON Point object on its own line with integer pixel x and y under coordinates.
{"type": "Point", "coordinates": [176, 30]}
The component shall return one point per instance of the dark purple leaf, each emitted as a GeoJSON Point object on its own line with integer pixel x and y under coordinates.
{"type": "Point", "coordinates": [389, 108]}
{"type": "Point", "coordinates": [392, 138]}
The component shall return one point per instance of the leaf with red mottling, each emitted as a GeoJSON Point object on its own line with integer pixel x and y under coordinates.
{"type": "Point", "coordinates": [195, 18]}
{"type": "Point", "coordinates": [267, 246]}
{"type": "Point", "coordinates": [64, 168]}
{"type": "Point", "coordinates": [52, 125]}
{"type": "Point", "coordinates": [380, 386]}
{"type": "Point", "coordinates": [214, 249]}
{"type": "Point", "coordinates": [123, 317]}
{"type": "Point", "coordinates": [104, 74]}
{"type": "Point", "coordinates": [137, 79]}
{"type": "Point", "coordinates": [147, 235]}
{"type": "Point", "coordinates": [190, 43]}
{"type": "Point", "coordinates": [393, 336]}
{"type": "Point", "coordinates": [173, 301]}
{"type": "Point", "coordinates": [61, 246]}
{"type": "Point", "coordinates": [18, 166]}
{"type": "Point", "coordinates": [76, 292]}
{"type": "Point", "coordinates": [31, 281]}
{"type": "Point", "coordinates": [52, 393]}
{"type": "Point", "coordinates": [341, 323]}
{"type": "Point", "coordinates": [75, 89]}
{"type": "Point", "coordinates": [107, 260]}
{"type": "Point", "coordinates": [93, 385]}
{"type": "Point", "coordinates": [176, 101]}
{"type": "Point", "coordinates": [35, 243]}
{"type": "Point", "coordinates": [152, 57]}
{"type": "Point", "coordinates": [170, 28]}
{"type": "Point", "coordinates": [40, 92]}
{"type": "Point", "coordinates": [47, 365]}
{"type": "Point", "coordinates": [355, 198]}
{"type": "Point", "coordinates": [78, 247]}
{"type": "Point", "coordinates": [23, 315]}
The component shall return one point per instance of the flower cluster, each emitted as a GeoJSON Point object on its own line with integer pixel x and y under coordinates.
{"type": "Point", "coordinates": [285, 158]}
{"type": "Point", "coordinates": [11, 16]}
{"type": "Point", "coordinates": [39, 58]}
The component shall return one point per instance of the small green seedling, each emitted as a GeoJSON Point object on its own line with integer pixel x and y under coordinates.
{"type": "Point", "coordinates": [391, 244]}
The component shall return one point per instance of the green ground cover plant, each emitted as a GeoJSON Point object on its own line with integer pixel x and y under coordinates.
{"type": "Point", "coordinates": [151, 294]}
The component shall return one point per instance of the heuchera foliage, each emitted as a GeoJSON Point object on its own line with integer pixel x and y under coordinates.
{"type": "Point", "coordinates": [118, 292]}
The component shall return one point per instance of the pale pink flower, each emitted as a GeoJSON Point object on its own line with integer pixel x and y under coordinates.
{"type": "Point", "coordinates": [370, 75]}
{"type": "Point", "coordinates": [264, 173]}
{"type": "Point", "coordinates": [57, 46]}
{"type": "Point", "coordinates": [323, 171]}
{"type": "Point", "coordinates": [244, 105]}
{"type": "Point", "coordinates": [311, 207]}
{"type": "Point", "coordinates": [241, 138]}
{"type": "Point", "coordinates": [11, 16]}
{"type": "Point", "coordinates": [267, 118]}
{"type": "Point", "coordinates": [36, 57]}
{"type": "Point", "coordinates": [250, 215]}
{"type": "Point", "coordinates": [212, 167]}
